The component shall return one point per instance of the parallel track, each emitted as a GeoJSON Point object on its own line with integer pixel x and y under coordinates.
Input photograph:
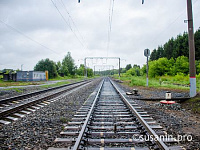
{"type": "Point", "coordinates": [29, 95]}
{"type": "Point", "coordinates": [110, 121]}
{"type": "Point", "coordinates": [34, 98]}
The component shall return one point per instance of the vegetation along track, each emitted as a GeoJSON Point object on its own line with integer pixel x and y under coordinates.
{"type": "Point", "coordinates": [110, 121]}
{"type": "Point", "coordinates": [28, 102]}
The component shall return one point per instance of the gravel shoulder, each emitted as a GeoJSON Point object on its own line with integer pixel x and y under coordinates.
{"type": "Point", "coordinates": [39, 129]}
{"type": "Point", "coordinates": [177, 120]}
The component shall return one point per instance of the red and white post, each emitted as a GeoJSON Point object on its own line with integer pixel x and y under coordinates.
{"type": "Point", "coordinates": [191, 50]}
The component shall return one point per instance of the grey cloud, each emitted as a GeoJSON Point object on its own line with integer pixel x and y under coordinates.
{"type": "Point", "coordinates": [134, 28]}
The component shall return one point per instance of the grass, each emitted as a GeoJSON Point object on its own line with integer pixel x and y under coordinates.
{"type": "Point", "coordinates": [18, 90]}
{"type": "Point", "coordinates": [169, 82]}
{"type": "Point", "coordinates": [55, 84]}
{"type": "Point", "coordinates": [76, 78]}
{"type": "Point", "coordinates": [13, 83]}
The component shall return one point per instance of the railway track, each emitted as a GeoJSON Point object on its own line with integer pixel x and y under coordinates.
{"type": "Point", "coordinates": [13, 108]}
{"type": "Point", "coordinates": [6, 101]}
{"type": "Point", "coordinates": [108, 120]}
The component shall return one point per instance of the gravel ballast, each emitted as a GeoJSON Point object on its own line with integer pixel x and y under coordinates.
{"type": "Point", "coordinates": [175, 119]}
{"type": "Point", "coordinates": [39, 129]}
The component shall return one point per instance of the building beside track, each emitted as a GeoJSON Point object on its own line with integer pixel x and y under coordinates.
{"type": "Point", "coordinates": [31, 76]}
{"type": "Point", "coordinates": [11, 75]}
{"type": "Point", "coordinates": [8, 75]}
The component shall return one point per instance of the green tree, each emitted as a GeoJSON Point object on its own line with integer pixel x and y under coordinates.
{"type": "Point", "coordinates": [89, 72]}
{"type": "Point", "coordinates": [169, 48]}
{"type": "Point", "coordinates": [160, 52]}
{"type": "Point", "coordinates": [182, 65]}
{"type": "Point", "coordinates": [58, 67]}
{"type": "Point", "coordinates": [48, 65]}
{"type": "Point", "coordinates": [123, 70]}
{"type": "Point", "coordinates": [135, 71]}
{"type": "Point", "coordinates": [160, 67]}
{"type": "Point", "coordinates": [197, 44]}
{"type": "Point", "coordinates": [68, 66]}
{"type": "Point", "coordinates": [153, 55]}
{"type": "Point", "coordinates": [80, 70]}
{"type": "Point", "coordinates": [128, 66]}
{"type": "Point", "coordinates": [144, 69]}
{"type": "Point", "coordinates": [197, 63]}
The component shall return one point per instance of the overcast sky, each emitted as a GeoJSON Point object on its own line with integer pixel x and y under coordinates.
{"type": "Point", "coordinates": [31, 30]}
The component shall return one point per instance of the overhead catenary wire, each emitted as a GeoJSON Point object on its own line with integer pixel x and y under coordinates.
{"type": "Point", "coordinates": [163, 31]}
{"type": "Point", "coordinates": [70, 17]}
{"type": "Point", "coordinates": [20, 32]}
{"type": "Point", "coordinates": [68, 24]}
{"type": "Point", "coordinates": [75, 26]}
{"type": "Point", "coordinates": [110, 18]}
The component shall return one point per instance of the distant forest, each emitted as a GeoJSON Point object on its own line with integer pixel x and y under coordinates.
{"type": "Point", "coordinates": [176, 47]}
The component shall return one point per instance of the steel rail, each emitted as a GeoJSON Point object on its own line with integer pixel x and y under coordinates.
{"type": "Point", "coordinates": [160, 143]}
{"type": "Point", "coordinates": [19, 107]}
{"type": "Point", "coordinates": [78, 140]}
{"type": "Point", "coordinates": [20, 97]}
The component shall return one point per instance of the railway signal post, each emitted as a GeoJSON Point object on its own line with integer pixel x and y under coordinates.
{"type": "Point", "coordinates": [147, 54]}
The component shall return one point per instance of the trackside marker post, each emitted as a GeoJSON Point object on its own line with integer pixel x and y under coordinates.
{"type": "Point", "coordinates": [147, 54]}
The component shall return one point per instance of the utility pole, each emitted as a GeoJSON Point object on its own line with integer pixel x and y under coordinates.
{"type": "Point", "coordinates": [191, 49]}
{"type": "Point", "coordinates": [85, 67]}
{"type": "Point", "coordinates": [94, 70]}
{"type": "Point", "coordinates": [119, 68]}
{"type": "Point", "coordinates": [21, 66]}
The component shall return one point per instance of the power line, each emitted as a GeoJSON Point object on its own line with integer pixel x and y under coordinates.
{"type": "Point", "coordinates": [111, 8]}
{"type": "Point", "coordinates": [108, 27]}
{"type": "Point", "coordinates": [70, 17]}
{"type": "Point", "coordinates": [163, 31]}
{"type": "Point", "coordinates": [72, 20]}
{"type": "Point", "coordinates": [67, 23]}
{"type": "Point", "coordinates": [20, 32]}
{"type": "Point", "coordinates": [111, 17]}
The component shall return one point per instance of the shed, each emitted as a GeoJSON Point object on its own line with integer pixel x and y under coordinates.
{"type": "Point", "coordinates": [31, 76]}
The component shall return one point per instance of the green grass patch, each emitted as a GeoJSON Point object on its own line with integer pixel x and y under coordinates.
{"type": "Point", "coordinates": [13, 83]}
{"type": "Point", "coordinates": [172, 82]}
{"type": "Point", "coordinates": [75, 78]}
{"type": "Point", "coordinates": [55, 84]}
{"type": "Point", "coordinates": [18, 90]}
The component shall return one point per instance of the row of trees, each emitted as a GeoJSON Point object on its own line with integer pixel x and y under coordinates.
{"type": "Point", "coordinates": [65, 68]}
{"type": "Point", "coordinates": [164, 66]}
{"type": "Point", "coordinates": [177, 47]}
